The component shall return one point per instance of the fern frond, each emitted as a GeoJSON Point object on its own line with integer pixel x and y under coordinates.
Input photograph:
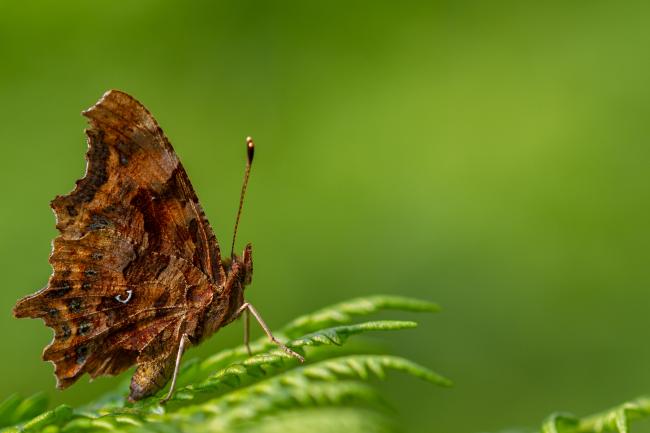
{"type": "Point", "coordinates": [7, 408]}
{"type": "Point", "coordinates": [348, 367]}
{"type": "Point", "coordinates": [15, 409]}
{"type": "Point", "coordinates": [264, 399]}
{"type": "Point", "coordinates": [339, 334]}
{"type": "Point", "coordinates": [326, 420]}
{"type": "Point", "coordinates": [52, 418]}
{"type": "Point", "coordinates": [560, 423]}
{"type": "Point", "coordinates": [318, 385]}
{"type": "Point", "coordinates": [338, 314]}
{"type": "Point", "coordinates": [616, 419]}
{"type": "Point", "coordinates": [329, 336]}
{"type": "Point", "coordinates": [344, 312]}
{"type": "Point", "coordinates": [270, 391]}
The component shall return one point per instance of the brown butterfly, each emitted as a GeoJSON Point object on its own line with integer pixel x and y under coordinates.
{"type": "Point", "coordinates": [138, 274]}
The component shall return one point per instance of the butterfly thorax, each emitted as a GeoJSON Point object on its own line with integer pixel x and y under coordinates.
{"type": "Point", "coordinates": [229, 297]}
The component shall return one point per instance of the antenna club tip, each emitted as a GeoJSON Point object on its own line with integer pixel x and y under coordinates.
{"type": "Point", "coordinates": [250, 147]}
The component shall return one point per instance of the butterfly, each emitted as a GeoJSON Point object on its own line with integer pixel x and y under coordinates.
{"type": "Point", "coordinates": [138, 275]}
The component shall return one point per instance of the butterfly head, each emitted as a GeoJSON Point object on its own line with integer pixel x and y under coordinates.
{"type": "Point", "coordinates": [247, 265]}
{"type": "Point", "coordinates": [242, 265]}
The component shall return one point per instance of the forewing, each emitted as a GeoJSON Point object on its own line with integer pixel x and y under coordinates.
{"type": "Point", "coordinates": [136, 185]}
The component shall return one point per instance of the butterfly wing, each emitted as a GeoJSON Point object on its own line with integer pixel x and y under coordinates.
{"type": "Point", "coordinates": [136, 260]}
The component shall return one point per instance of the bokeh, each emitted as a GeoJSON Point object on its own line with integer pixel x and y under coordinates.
{"type": "Point", "coordinates": [491, 156]}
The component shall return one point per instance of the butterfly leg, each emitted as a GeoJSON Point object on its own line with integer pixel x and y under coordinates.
{"type": "Point", "coordinates": [181, 348]}
{"type": "Point", "coordinates": [249, 308]}
{"type": "Point", "coordinates": [243, 310]}
{"type": "Point", "coordinates": [247, 330]}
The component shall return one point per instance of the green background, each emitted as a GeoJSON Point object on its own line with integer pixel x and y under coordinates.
{"type": "Point", "coordinates": [492, 157]}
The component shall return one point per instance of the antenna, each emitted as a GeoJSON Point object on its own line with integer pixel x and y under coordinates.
{"type": "Point", "coordinates": [250, 151]}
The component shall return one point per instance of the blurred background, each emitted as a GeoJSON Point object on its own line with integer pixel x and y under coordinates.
{"type": "Point", "coordinates": [492, 157]}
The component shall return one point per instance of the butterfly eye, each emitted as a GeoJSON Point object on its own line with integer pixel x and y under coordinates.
{"type": "Point", "coordinates": [119, 298]}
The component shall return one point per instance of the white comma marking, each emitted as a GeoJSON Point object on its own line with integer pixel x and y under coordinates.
{"type": "Point", "coordinates": [129, 293]}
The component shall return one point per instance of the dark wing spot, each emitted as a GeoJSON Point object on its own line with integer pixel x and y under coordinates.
{"type": "Point", "coordinates": [173, 188]}
{"type": "Point", "coordinates": [124, 150]}
{"type": "Point", "coordinates": [96, 256]}
{"type": "Point", "coordinates": [143, 200]}
{"type": "Point", "coordinates": [86, 286]}
{"type": "Point", "coordinates": [194, 230]}
{"type": "Point", "coordinates": [162, 300]}
{"type": "Point", "coordinates": [58, 289]}
{"type": "Point", "coordinates": [162, 265]}
{"type": "Point", "coordinates": [74, 305]}
{"type": "Point", "coordinates": [65, 331]}
{"type": "Point", "coordinates": [53, 312]}
{"type": "Point", "coordinates": [90, 272]}
{"type": "Point", "coordinates": [84, 328]}
{"type": "Point", "coordinates": [98, 222]}
{"type": "Point", "coordinates": [82, 354]}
